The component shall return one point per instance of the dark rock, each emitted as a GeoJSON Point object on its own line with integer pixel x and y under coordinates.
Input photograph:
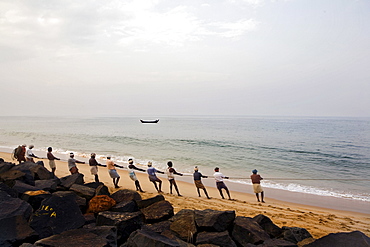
{"type": "Point", "coordinates": [13, 206]}
{"type": "Point", "coordinates": [157, 227]}
{"type": "Point", "coordinates": [10, 176]}
{"type": "Point", "coordinates": [56, 215]}
{"type": "Point", "coordinates": [102, 190]}
{"type": "Point", "coordinates": [158, 211]}
{"type": "Point", "coordinates": [126, 223]}
{"type": "Point", "coordinates": [81, 202]}
{"type": "Point", "coordinates": [15, 230]}
{"type": "Point", "coordinates": [81, 238]}
{"type": "Point", "coordinates": [207, 245]}
{"type": "Point", "coordinates": [169, 234]}
{"type": "Point", "coordinates": [100, 203]}
{"type": "Point", "coordinates": [5, 188]}
{"type": "Point", "coordinates": [265, 222]}
{"type": "Point", "coordinates": [26, 168]}
{"type": "Point", "coordinates": [5, 166]}
{"type": "Point", "coordinates": [246, 230]}
{"type": "Point", "coordinates": [277, 243]}
{"type": "Point", "coordinates": [217, 238]}
{"type": "Point", "coordinates": [89, 219]}
{"type": "Point", "coordinates": [39, 172]}
{"type": "Point", "coordinates": [48, 185]}
{"type": "Point", "coordinates": [83, 191]}
{"type": "Point", "coordinates": [94, 185]}
{"type": "Point", "coordinates": [69, 180]}
{"type": "Point", "coordinates": [126, 195]}
{"type": "Point", "coordinates": [342, 239]}
{"type": "Point", "coordinates": [125, 206]}
{"type": "Point", "coordinates": [147, 202]}
{"type": "Point", "coordinates": [142, 238]}
{"type": "Point", "coordinates": [22, 187]}
{"type": "Point", "coordinates": [1, 160]}
{"type": "Point", "coordinates": [295, 234]}
{"type": "Point", "coordinates": [27, 245]}
{"type": "Point", "coordinates": [34, 198]}
{"type": "Point", "coordinates": [184, 225]}
{"type": "Point", "coordinates": [212, 220]}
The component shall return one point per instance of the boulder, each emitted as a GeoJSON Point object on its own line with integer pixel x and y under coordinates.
{"type": "Point", "coordinates": [142, 238]}
{"type": "Point", "coordinates": [147, 202]}
{"type": "Point", "coordinates": [184, 225]}
{"type": "Point", "coordinates": [126, 223]}
{"type": "Point", "coordinates": [158, 211]}
{"type": "Point", "coordinates": [22, 187]}
{"type": "Point", "coordinates": [5, 166]}
{"type": "Point", "coordinates": [26, 167]}
{"type": "Point", "coordinates": [39, 172]}
{"type": "Point", "coordinates": [350, 239]}
{"type": "Point", "coordinates": [81, 238]}
{"type": "Point", "coordinates": [48, 185]}
{"type": "Point", "coordinates": [69, 180]}
{"type": "Point", "coordinates": [216, 238]}
{"type": "Point", "coordinates": [10, 176]}
{"type": "Point", "coordinates": [11, 206]}
{"type": "Point", "coordinates": [125, 206]}
{"type": "Point", "coordinates": [102, 190]}
{"type": "Point", "coordinates": [277, 243]}
{"type": "Point", "coordinates": [94, 185]}
{"type": "Point", "coordinates": [212, 220]}
{"type": "Point", "coordinates": [81, 202]}
{"type": "Point", "coordinates": [295, 234]}
{"type": "Point", "coordinates": [157, 227]}
{"type": "Point", "coordinates": [34, 198]}
{"type": "Point", "coordinates": [126, 195]}
{"type": "Point", "coordinates": [56, 215]}
{"type": "Point", "coordinates": [265, 222]}
{"type": "Point", "coordinates": [100, 203]}
{"type": "Point", "coordinates": [246, 230]}
{"type": "Point", "coordinates": [169, 234]}
{"type": "Point", "coordinates": [10, 191]}
{"type": "Point", "coordinates": [83, 191]}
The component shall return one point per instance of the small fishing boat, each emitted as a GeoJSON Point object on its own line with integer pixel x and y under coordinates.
{"type": "Point", "coordinates": [149, 121]}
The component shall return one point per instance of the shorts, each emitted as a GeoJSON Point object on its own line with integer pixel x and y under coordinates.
{"type": "Point", "coordinates": [257, 188]}
{"type": "Point", "coordinates": [73, 170]}
{"type": "Point", "coordinates": [221, 185]}
{"type": "Point", "coordinates": [113, 173]}
{"type": "Point", "coordinates": [154, 178]}
{"type": "Point", "coordinates": [94, 170]}
{"type": "Point", "coordinates": [133, 177]}
{"type": "Point", "coordinates": [52, 164]}
{"type": "Point", "coordinates": [199, 184]}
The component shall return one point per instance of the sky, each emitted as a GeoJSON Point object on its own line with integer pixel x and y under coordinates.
{"type": "Point", "coordinates": [196, 57]}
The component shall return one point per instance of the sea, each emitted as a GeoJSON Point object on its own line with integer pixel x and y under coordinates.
{"type": "Point", "coordinates": [323, 156]}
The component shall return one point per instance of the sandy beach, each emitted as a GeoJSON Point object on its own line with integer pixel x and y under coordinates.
{"type": "Point", "coordinates": [319, 221]}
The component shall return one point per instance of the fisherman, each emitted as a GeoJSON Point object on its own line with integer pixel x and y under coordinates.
{"type": "Point", "coordinates": [171, 178]}
{"type": "Point", "coordinates": [256, 181]}
{"type": "Point", "coordinates": [30, 155]}
{"type": "Point", "coordinates": [219, 177]}
{"type": "Point", "coordinates": [52, 159]}
{"type": "Point", "coordinates": [72, 164]}
{"type": "Point", "coordinates": [94, 166]}
{"type": "Point", "coordinates": [113, 172]}
{"type": "Point", "coordinates": [153, 177]}
{"type": "Point", "coordinates": [198, 182]}
{"type": "Point", "coordinates": [131, 173]}
{"type": "Point", "coordinates": [19, 153]}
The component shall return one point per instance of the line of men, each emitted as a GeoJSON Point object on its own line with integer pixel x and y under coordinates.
{"type": "Point", "coordinates": [27, 155]}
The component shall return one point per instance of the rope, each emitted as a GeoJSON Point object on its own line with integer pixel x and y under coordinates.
{"type": "Point", "coordinates": [344, 179]}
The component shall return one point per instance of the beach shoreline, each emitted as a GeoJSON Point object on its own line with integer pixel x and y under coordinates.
{"type": "Point", "coordinates": [319, 221]}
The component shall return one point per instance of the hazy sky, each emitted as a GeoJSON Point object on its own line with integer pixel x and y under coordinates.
{"type": "Point", "coordinates": [169, 57]}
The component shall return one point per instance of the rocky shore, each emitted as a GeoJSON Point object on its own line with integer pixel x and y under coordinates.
{"type": "Point", "coordinates": [40, 210]}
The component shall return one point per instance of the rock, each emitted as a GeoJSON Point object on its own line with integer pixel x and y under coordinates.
{"type": "Point", "coordinates": [10, 176]}
{"type": "Point", "coordinates": [89, 219]}
{"type": "Point", "coordinates": [5, 166]}
{"type": "Point", "coordinates": [158, 211]}
{"type": "Point", "coordinates": [157, 227]}
{"type": "Point", "coordinates": [126, 195]}
{"type": "Point", "coordinates": [14, 215]}
{"type": "Point", "coordinates": [277, 243]}
{"type": "Point", "coordinates": [94, 185]}
{"type": "Point", "coordinates": [26, 167]}
{"type": "Point", "coordinates": [147, 202]}
{"type": "Point", "coordinates": [295, 234]}
{"type": "Point", "coordinates": [80, 238]}
{"type": "Point", "coordinates": [246, 230]}
{"type": "Point", "coordinates": [184, 225]}
{"type": "Point", "coordinates": [34, 198]}
{"type": "Point", "coordinates": [102, 190]}
{"type": "Point", "coordinates": [22, 187]}
{"type": "Point", "coordinates": [83, 191]}
{"type": "Point", "coordinates": [265, 222]}
{"type": "Point", "coordinates": [216, 238]}
{"type": "Point", "coordinates": [69, 180]}
{"type": "Point", "coordinates": [56, 215]}
{"type": "Point", "coordinates": [48, 185]}
{"type": "Point", "coordinates": [125, 206]}
{"type": "Point", "coordinates": [39, 172]}
{"type": "Point", "coordinates": [10, 191]}
{"type": "Point", "coordinates": [169, 234]}
{"type": "Point", "coordinates": [81, 202]}
{"type": "Point", "coordinates": [100, 203]}
{"type": "Point", "coordinates": [142, 238]}
{"type": "Point", "coordinates": [342, 239]}
{"type": "Point", "coordinates": [212, 220]}
{"type": "Point", "coordinates": [126, 223]}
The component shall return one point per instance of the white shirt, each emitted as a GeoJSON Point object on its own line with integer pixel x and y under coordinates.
{"type": "Point", "coordinates": [219, 177]}
{"type": "Point", "coordinates": [29, 153]}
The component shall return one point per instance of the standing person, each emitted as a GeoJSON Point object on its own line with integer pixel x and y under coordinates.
{"type": "Point", "coordinates": [219, 177]}
{"type": "Point", "coordinates": [30, 155]}
{"type": "Point", "coordinates": [171, 178]}
{"type": "Point", "coordinates": [72, 164]}
{"type": "Point", "coordinates": [198, 182]}
{"type": "Point", "coordinates": [52, 159]}
{"type": "Point", "coordinates": [94, 167]}
{"type": "Point", "coordinates": [19, 153]}
{"type": "Point", "coordinates": [256, 181]}
{"type": "Point", "coordinates": [113, 172]}
{"type": "Point", "coordinates": [131, 173]}
{"type": "Point", "coordinates": [153, 177]}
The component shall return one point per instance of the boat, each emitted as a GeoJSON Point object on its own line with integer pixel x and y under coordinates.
{"type": "Point", "coordinates": [149, 121]}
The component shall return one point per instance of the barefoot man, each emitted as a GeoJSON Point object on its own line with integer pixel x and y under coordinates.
{"type": "Point", "coordinates": [256, 181]}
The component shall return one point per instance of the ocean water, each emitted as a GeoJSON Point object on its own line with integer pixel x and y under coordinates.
{"type": "Point", "coordinates": [320, 156]}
